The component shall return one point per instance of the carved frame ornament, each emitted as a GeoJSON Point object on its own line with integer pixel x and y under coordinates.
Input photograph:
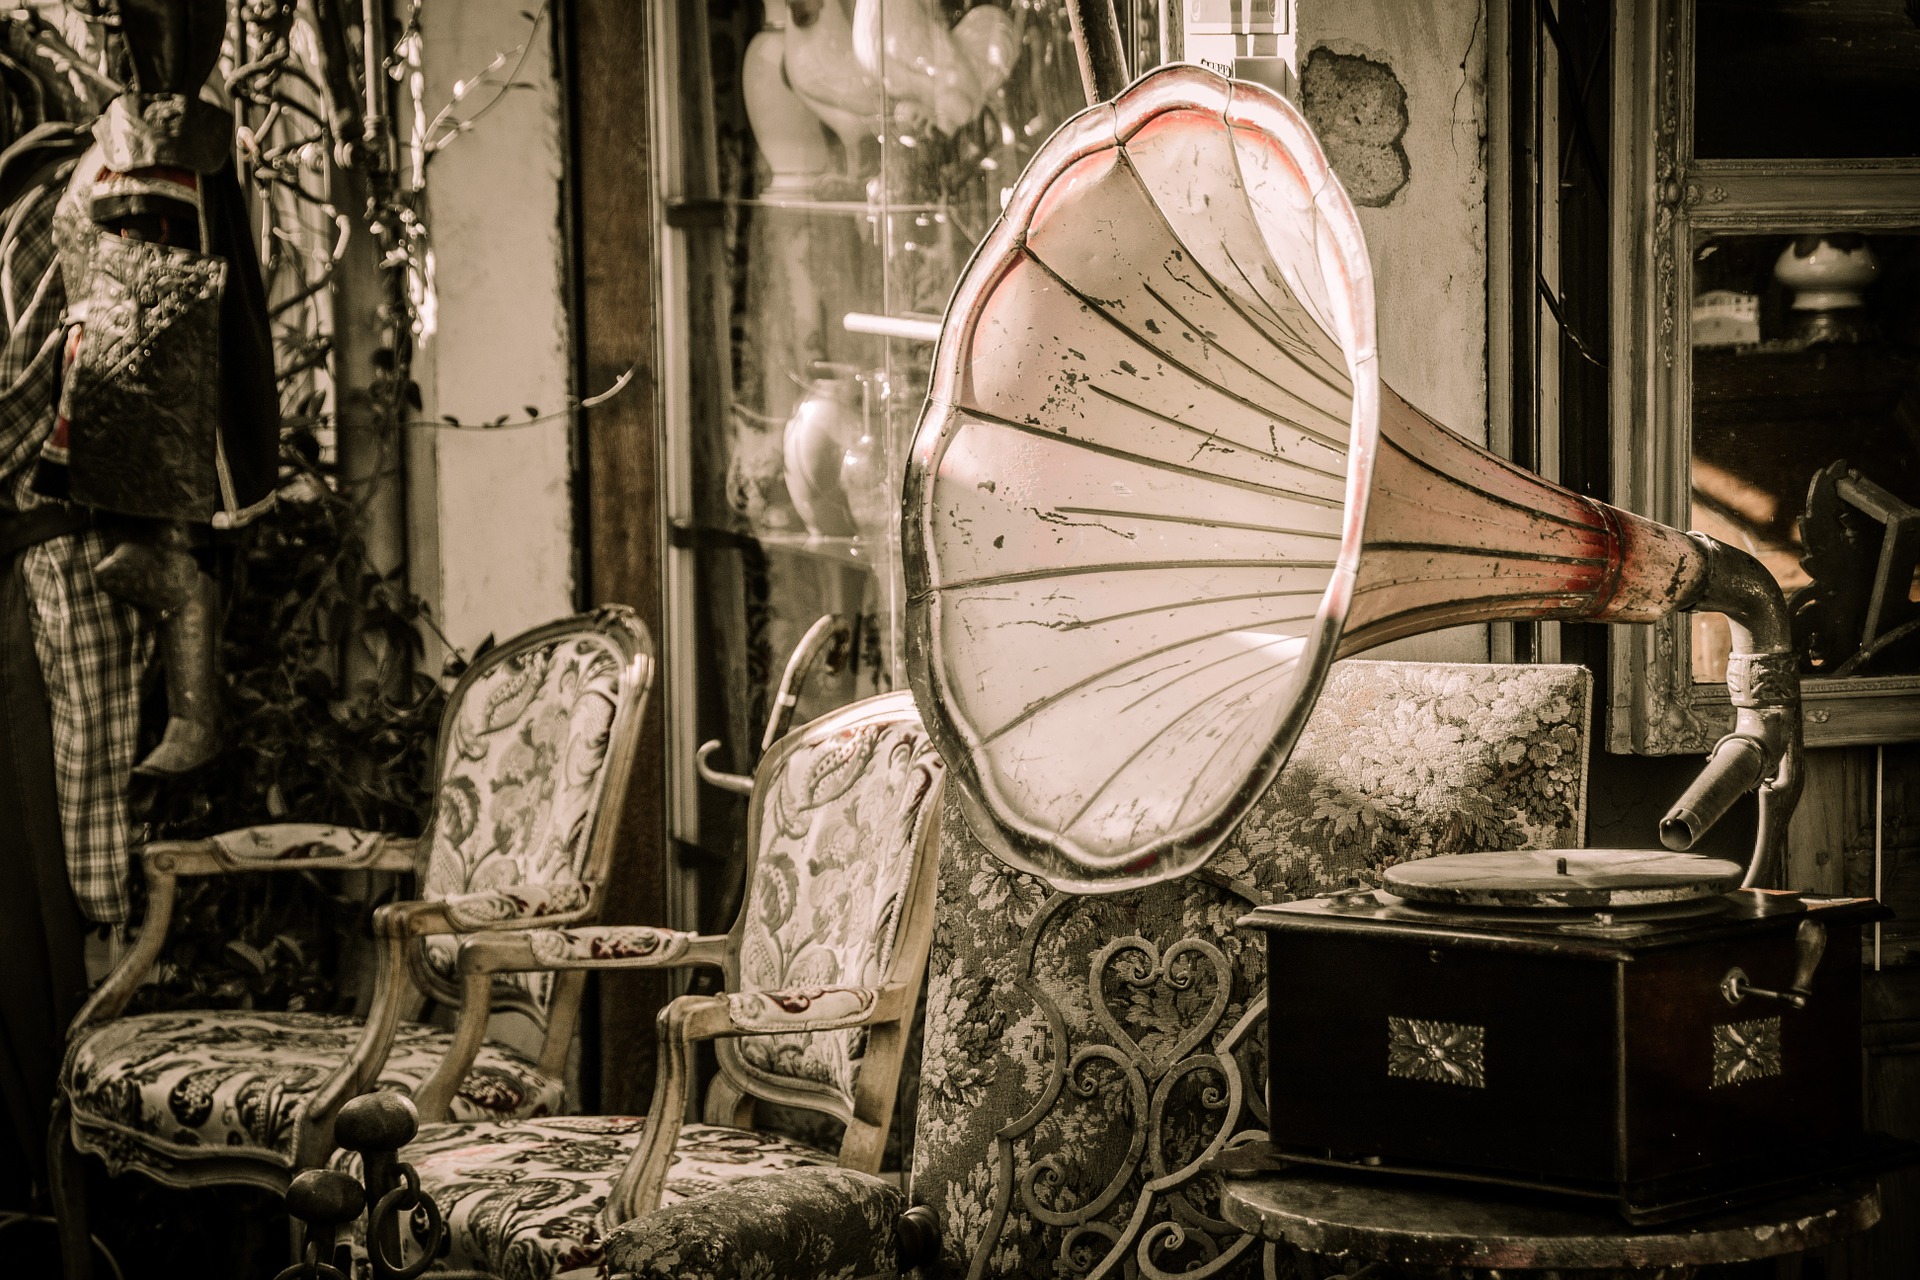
{"type": "Point", "coordinates": [1664, 201]}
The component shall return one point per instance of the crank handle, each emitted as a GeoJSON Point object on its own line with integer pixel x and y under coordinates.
{"type": "Point", "coordinates": [1809, 944]}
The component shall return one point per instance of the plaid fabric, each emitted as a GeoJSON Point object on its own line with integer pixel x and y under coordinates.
{"type": "Point", "coordinates": [93, 649]}
{"type": "Point", "coordinates": [32, 298]}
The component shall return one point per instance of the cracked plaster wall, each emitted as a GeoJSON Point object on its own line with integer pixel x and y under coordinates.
{"type": "Point", "coordinates": [1359, 109]}
{"type": "Point", "coordinates": [1400, 92]}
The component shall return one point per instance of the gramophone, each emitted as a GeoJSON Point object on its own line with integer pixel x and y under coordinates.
{"type": "Point", "coordinates": [1157, 487]}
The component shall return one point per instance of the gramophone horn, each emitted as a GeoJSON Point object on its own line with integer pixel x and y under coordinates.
{"type": "Point", "coordinates": [1158, 486]}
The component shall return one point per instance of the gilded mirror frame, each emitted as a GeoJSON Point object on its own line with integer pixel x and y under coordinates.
{"type": "Point", "coordinates": [1664, 199]}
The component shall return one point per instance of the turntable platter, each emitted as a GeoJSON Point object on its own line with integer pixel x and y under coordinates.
{"type": "Point", "coordinates": [1563, 878]}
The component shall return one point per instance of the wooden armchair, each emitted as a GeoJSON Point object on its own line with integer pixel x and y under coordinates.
{"type": "Point", "coordinates": [534, 756]}
{"type": "Point", "coordinates": [822, 968]}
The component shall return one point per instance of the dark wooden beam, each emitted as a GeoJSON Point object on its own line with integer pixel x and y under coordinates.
{"type": "Point", "coordinates": [603, 54]}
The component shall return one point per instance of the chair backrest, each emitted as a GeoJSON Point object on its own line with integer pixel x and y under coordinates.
{"type": "Point", "coordinates": [842, 834]}
{"type": "Point", "coordinates": [1086, 1055]}
{"type": "Point", "coordinates": [535, 752]}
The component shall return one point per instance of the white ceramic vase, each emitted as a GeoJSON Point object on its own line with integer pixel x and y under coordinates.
{"type": "Point", "coordinates": [826, 422]}
{"type": "Point", "coordinates": [1829, 275]}
{"type": "Point", "coordinates": [938, 73]}
{"type": "Point", "coordinates": [822, 71]}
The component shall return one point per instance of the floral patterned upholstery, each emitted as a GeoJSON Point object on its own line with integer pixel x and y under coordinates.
{"type": "Point", "coordinates": [839, 821]}
{"type": "Point", "coordinates": [522, 1200]}
{"type": "Point", "coordinates": [520, 781]}
{"type": "Point", "coordinates": [1084, 1055]}
{"type": "Point", "coordinates": [610, 942]}
{"type": "Point", "coordinates": [180, 1084]}
{"type": "Point", "coordinates": [295, 841]}
{"type": "Point", "coordinates": [803, 1224]}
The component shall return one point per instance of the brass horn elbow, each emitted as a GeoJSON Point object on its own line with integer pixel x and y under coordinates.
{"type": "Point", "coordinates": [1763, 683]}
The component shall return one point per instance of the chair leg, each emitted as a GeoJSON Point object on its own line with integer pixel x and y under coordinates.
{"type": "Point", "coordinates": [67, 1181]}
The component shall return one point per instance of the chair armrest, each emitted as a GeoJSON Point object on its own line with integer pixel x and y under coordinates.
{"type": "Point", "coordinates": [395, 926]}
{"type": "Point", "coordinates": [691, 1019]}
{"type": "Point", "coordinates": [519, 907]}
{"type": "Point", "coordinates": [283, 846]}
{"type": "Point", "coordinates": [271, 849]}
{"type": "Point", "coordinates": [784, 1012]}
{"type": "Point", "coordinates": [601, 946]}
{"type": "Point", "coordinates": [607, 946]}
{"type": "Point", "coordinates": [793, 1010]}
{"type": "Point", "coordinates": [801, 1224]}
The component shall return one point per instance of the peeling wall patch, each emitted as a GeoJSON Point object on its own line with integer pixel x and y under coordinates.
{"type": "Point", "coordinates": [1359, 109]}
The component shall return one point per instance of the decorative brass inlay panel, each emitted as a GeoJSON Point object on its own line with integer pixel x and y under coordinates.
{"type": "Point", "coordinates": [1744, 1051]}
{"type": "Point", "coordinates": [1441, 1052]}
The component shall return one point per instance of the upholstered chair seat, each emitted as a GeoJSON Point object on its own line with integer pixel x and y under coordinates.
{"type": "Point", "coordinates": [523, 1200]}
{"type": "Point", "coordinates": [171, 1086]}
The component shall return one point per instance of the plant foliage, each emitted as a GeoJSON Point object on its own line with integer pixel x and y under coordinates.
{"type": "Point", "coordinates": [303, 745]}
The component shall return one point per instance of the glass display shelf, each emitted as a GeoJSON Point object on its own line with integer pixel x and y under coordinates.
{"type": "Point", "coordinates": [818, 201]}
{"type": "Point", "coordinates": [854, 208]}
{"type": "Point", "coordinates": [856, 551]}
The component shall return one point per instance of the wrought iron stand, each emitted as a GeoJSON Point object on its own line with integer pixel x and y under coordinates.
{"type": "Point", "coordinates": [327, 1201]}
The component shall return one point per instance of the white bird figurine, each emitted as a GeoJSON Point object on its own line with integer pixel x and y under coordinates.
{"type": "Point", "coordinates": [825, 76]}
{"type": "Point", "coordinates": [942, 74]}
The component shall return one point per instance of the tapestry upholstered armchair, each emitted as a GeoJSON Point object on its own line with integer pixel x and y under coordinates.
{"type": "Point", "coordinates": [1085, 1057]}
{"type": "Point", "coordinates": [533, 760]}
{"type": "Point", "coordinates": [822, 968]}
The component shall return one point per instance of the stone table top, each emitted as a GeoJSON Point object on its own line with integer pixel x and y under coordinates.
{"type": "Point", "coordinates": [1434, 1223]}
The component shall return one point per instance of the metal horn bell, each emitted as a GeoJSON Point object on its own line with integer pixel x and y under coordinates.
{"type": "Point", "coordinates": [1158, 486]}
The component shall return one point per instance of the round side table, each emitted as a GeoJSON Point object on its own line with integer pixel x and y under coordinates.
{"type": "Point", "coordinates": [1442, 1229]}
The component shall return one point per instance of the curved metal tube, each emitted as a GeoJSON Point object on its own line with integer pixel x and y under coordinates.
{"type": "Point", "coordinates": [829, 638]}
{"type": "Point", "coordinates": [1764, 684]}
{"type": "Point", "coordinates": [818, 642]}
{"type": "Point", "coordinates": [1737, 765]}
{"type": "Point", "coordinates": [737, 783]}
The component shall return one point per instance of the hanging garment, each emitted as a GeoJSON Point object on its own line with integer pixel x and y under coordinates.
{"type": "Point", "coordinates": [40, 929]}
{"type": "Point", "coordinates": [92, 649]}
{"type": "Point", "coordinates": [169, 409]}
{"type": "Point", "coordinates": [169, 406]}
